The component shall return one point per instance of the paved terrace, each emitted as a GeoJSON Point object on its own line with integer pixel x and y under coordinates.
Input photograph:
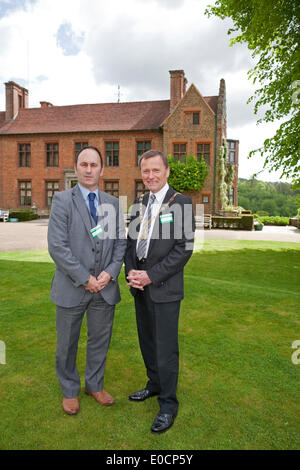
{"type": "Point", "coordinates": [33, 235]}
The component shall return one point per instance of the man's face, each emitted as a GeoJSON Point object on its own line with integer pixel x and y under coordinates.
{"type": "Point", "coordinates": [88, 169]}
{"type": "Point", "coordinates": [154, 173]}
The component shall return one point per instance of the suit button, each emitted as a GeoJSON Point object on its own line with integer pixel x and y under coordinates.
{"type": "Point", "coordinates": [93, 250]}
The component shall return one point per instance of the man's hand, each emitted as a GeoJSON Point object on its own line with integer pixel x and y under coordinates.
{"type": "Point", "coordinates": [103, 279]}
{"type": "Point", "coordinates": [95, 285]}
{"type": "Point", "coordinates": [138, 279]}
{"type": "Point", "coordinates": [92, 286]}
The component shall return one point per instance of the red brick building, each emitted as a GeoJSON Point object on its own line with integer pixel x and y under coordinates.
{"type": "Point", "coordinates": [38, 145]}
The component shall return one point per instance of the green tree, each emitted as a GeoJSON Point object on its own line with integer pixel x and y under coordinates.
{"type": "Point", "coordinates": [269, 206]}
{"type": "Point", "coordinates": [268, 198]}
{"type": "Point", "coordinates": [271, 29]}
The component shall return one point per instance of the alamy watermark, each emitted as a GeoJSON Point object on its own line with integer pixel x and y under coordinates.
{"type": "Point", "coordinates": [296, 354]}
{"type": "Point", "coordinates": [2, 353]}
{"type": "Point", "coordinates": [177, 222]}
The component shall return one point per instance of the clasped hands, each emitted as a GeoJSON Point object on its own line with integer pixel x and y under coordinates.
{"type": "Point", "coordinates": [96, 284]}
{"type": "Point", "coordinates": [138, 279]}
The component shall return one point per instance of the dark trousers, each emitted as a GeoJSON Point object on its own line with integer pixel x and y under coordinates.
{"type": "Point", "coordinates": [157, 325]}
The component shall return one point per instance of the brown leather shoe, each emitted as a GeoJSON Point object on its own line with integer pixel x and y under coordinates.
{"type": "Point", "coordinates": [102, 397]}
{"type": "Point", "coordinates": [70, 405]}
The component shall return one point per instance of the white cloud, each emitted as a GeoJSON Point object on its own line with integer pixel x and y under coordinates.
{"type": "Point", "coordinates": [133, 44]}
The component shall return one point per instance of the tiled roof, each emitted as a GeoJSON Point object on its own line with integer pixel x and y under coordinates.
{"type": "Point", "coordinates": [212, 101]}
{"type": "Point", "coordinates": [143, 115]}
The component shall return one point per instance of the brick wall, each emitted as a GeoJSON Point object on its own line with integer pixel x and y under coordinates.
{"type": "Point", "coordinates": [11, 174]}
{"type": "Point", "coordinates": [177, 128]}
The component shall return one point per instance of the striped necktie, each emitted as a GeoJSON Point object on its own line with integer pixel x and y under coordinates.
{"type": "Point", "coordinates": [142, 244]}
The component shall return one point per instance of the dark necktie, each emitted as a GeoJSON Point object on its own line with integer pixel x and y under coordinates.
{"type": "Point", "coordinates": [93, 211]}
{"type": "Point", "coordinates": [142, 244]}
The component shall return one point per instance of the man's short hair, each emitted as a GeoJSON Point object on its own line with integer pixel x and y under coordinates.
{"type": "Point", "coordinates": [89, 147]}
{"type": "Point", "coordinates": [154, 153]}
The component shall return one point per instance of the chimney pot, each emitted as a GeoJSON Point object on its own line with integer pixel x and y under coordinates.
{"type": "Point", "coordinates": [45, 104]}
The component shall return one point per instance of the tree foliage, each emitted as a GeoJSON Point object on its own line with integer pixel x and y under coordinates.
{"type": "Point", "coordinates": [271, 29]}
{"type": "Point", "coordinates": [269, 199]}
{"type": "Point", "coordinates": [188, 176]}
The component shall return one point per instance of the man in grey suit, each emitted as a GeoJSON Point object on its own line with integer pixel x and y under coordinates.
{"type": "Point", "coordinates": [87, 241]}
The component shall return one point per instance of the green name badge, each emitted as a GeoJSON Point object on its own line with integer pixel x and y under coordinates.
{"type": "Point", "coordinates": [96, 231]}
{"type": "Point", "coordinates": [165, 218]}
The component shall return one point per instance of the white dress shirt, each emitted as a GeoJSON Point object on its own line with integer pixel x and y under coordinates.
{"type": "Point", "coordinates": [159, 197]}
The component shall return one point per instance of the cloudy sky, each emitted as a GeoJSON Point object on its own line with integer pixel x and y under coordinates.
{"type": "Point", "coordinates": [80, 51]}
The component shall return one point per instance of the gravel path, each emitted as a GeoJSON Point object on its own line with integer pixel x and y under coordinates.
{"type": "Point", "coordinates": [33, 235]}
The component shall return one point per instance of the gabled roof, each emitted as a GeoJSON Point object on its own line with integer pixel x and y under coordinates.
{"type": "Point", "coordinates": [210, 101]}
{"type": "Point", "coordinates": [142, 115]}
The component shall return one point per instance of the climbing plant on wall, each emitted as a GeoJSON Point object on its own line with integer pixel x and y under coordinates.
{"type": "Point", "coordinates": [188, 176]}
{"type": "Point", "coordinates": [226, 174]}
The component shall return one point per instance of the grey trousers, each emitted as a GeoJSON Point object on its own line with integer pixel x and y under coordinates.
{"type": "Point", "coordinates": [99, 316]}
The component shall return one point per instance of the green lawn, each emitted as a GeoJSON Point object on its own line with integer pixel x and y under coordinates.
{"type": "Point", "coordinates": [238, 388]}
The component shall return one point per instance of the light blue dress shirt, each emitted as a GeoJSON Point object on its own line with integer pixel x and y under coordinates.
{"type": "Point", "coordinates": [85, 193]}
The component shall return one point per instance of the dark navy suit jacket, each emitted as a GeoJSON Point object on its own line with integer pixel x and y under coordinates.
{"type": "Point", "coordinates": [170, 247]}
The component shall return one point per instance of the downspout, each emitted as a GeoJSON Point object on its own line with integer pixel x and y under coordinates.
{"type": "Point", "coordinates": [215, 167]}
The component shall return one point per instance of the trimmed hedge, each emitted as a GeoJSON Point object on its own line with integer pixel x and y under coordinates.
{"type": "Point", "coordinates": [246, 222]}
{"type": "Point", "coordinates": [273, 220]}
{"type": "Point", "coordinates": [23, 215]}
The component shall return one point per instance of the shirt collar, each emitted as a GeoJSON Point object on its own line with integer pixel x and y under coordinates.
{"type": "Point", "coordinates": [86, 192]}
{"type": "Point", "coordinates": [160, 195]}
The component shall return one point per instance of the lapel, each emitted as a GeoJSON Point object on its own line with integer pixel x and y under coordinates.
{"type": "Point", "coordinates": [102, 239]}
{"type": "Point", "coordinates": [156, 227]}
{"type": "Point", "coordinates": [82, 210]}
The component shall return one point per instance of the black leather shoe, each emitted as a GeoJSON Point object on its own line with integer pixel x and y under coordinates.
{"type": "Point", "coordinates": [162, 423]}
{"type": "Point", "coordinates": [141, 395]}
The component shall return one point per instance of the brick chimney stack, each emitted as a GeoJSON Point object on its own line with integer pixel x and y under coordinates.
{"type": "Point", "coordinates": [16, 98]}
{"type": "Point", "coordinates": [46, 104]}
{"type": "Point", "coordinates": [177, 87]}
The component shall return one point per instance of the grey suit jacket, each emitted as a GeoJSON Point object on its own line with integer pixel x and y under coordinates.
{"type": "Point", "coordinates": [77, 254]}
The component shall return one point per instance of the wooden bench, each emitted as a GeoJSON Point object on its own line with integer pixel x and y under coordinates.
{"type": "Point", "coordinates": [4, 215]}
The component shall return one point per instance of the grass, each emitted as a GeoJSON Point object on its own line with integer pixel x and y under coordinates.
{"type": "Point", "coordinates": [238, 388]}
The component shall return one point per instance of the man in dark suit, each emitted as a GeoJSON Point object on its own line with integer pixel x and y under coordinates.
{"type": "Point", "coordinates": [86, 239]}
{"type": "Point", "coordinates": [159, 244]}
